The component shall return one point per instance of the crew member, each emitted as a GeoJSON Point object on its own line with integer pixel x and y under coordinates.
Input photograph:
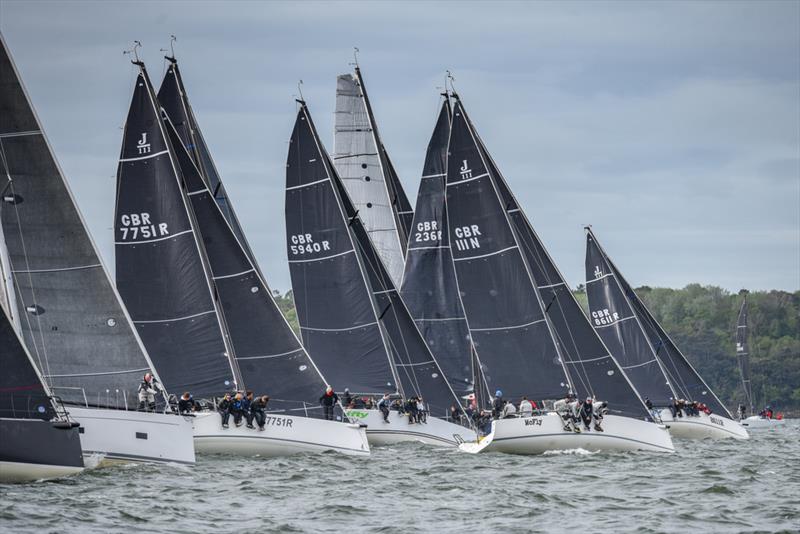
{"type": "Point", "coordinates": [328, 401]}
{"type": "Point", "coordinates": [347, 399]}
{"type": "Point", "coordinates": [186, 404]}
{"type": "Point", "coordinates": [247, 404]}
{"type": "Point", "coordinates": [147, 393]}
{"type": "Point", "coordinates": [224, 409]}
{"type": "Point", "coordinates": [422, 412]}
{"type": "Point", "coordinates": [497, 404]}
{"type": "Point", "coordinates": [525, 407]}
{"type": "Point", "coordinates": [383, 406]}
{"type": "Point", "coordinates": [586, 412]}
{"type": "Point", "coordinates": [237, 409]}
{"type": "Point", "coordinates": [258, 408]}
{"type": "Point", "coordinates": [509, 410]}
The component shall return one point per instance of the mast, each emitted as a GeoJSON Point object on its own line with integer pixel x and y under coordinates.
{"type": "Point", "coordinates": [743, 352]}
{"type": "Point", "coordinates": [368, 174]}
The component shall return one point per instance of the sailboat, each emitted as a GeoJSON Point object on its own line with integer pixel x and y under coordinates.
{"type": "Point", "coordinates": [364, 167]}
{"type": "Point", "coordinates": [199, 303]}
{"type": "Point", "coordinates": [38, 439]}
{"type": "Point", "coordinates": [528, 346]}
{"type": "Point", "coordinates": [743, 357]}
{"type": "Point", "coordinates": [353, 321]}
{"type": "Point", "coordinates": [647, 354]}
{"type": "Point", "coordinates": [62, 301]}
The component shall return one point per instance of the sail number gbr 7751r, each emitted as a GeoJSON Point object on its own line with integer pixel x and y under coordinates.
{"type": "Point", "coordinates": [138, 226]}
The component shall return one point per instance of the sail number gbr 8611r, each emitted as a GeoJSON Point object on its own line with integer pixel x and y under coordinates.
{"type": "Point", "coordinates": [138, 226]}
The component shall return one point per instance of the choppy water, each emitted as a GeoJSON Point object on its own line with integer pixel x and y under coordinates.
{"type": "Point", "coordinates": [708, 486]}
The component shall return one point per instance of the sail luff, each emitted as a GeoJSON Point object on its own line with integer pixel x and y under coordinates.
{"type": "Point", "coordinates": [743, 353]}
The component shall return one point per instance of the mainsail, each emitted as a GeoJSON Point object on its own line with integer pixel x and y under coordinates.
{"type": "Point", "coordinates": [635, 337]}
{"type": "Point", "coordinates": [743, 353]}
{"type": "Point", "coordinates": [173, 98]}
{"type": "Point", "coordinates": [369, 176]}
{"type": "Point", "coordinates": [430, 289]}
{"type": "Point", "coordinates": [160, 267]}
{"type": "Point", "coordinates": [353, 321]}
{"type": "Point", "coordinates": [503, 308]}
{"type": "Point", "coordinates": [70, 316]}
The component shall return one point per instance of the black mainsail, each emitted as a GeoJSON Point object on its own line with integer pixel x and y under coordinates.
{"type": "Point", "coordinates": [353, 321]}
{"type": "Point", "coordinates": [430, 289]}
{"type": "Point", "coordinates": [160, 272]}
{"type": "Point", "coordinates": [68, 311]}
{"type": "Point", "coordinates": [635, 337]}
{"type": "Point", "coordinates": [364, 167]}
{"type": "Point", "coordinates": [743, 353]}
{"type": "Point", "coordinates": [175, 101]}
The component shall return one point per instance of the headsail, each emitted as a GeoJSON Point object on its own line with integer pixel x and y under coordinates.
{"type": "Point", "coordinates": [369, 176]}
{"type": "Point", "coordinates": [354, 322]}
{"type": "Point", "coordinates": [501, 301]}
{"type": "Point", "coordinates": [71, 318]}
{"type": "Point", "coordinates": [160, 269]}
{"type": "Point", "coordinates": [429, 287]}
{"type": "Point", "coordinates": [743, 353]}
{"type": "Point", "coordinates": [615, 295]}
{"type": "Point", "coordinates": [173, 98]}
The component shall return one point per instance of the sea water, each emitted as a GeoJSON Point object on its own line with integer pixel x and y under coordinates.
{"type": "Point", "coordinates": [706, 486]}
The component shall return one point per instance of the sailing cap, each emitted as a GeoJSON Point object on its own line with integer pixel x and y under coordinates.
{"type": "Point", "coordinates": [498, 393]}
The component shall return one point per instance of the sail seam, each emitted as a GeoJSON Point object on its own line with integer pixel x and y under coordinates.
{"type": "Point", "coordinates": [323, 258]}
{"type": "Point", "coordinates": [434, 175]}
{"type": "Point", "coordinates": [338, 329]}
{"type": "Point", "coordinates": [193, 193]}
{"type": "Point", "coordinates": [640, 364]}
{"type": "Point", "coordinates": [308, 184]}
{"type": "Point", "coordinates": [429, 248]}
{"type": "Point", "coordinates": [299, 349]}
{"type": "Point", "coordinates": [20, 134]}
{"type": "Point", "coordinates": [233, 275]}
{"type": "Point", "coordinates": [414, 364]}
{"type": "Point", "coordinates": [507, 327]}
{"type": "Point", "coordinates": [57, 270]}
{"type": "Point", "coordinates": [176, 318]}
{"type": "Point", "coordinates": [484, 175]}
{"type": "Point", "coordinates": [152, 240]}
{"type": "Point", "coordinates": [149, 156]}
{"type": "Point", "coordinates": [486, 255]}
{"type": "Point", "coordinates": [600, 278]}
{"type": "Point", "coordinates": [573, 362]}
{"type": "Point", "coordinates": [443, 319]}
{"type": "Point", "coordinates": [126, 371]}
{"type": "Point", "coordinates": [553, 285]}
{"type": "Point", "coordinates": [615, 322]}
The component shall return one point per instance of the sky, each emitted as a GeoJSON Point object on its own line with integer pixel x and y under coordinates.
{"type": "Point", "coordinates": [673, 128]}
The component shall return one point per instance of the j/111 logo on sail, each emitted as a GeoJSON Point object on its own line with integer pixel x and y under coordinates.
{"type": "Point", "coordinates": [465, 171]}
{"type": "Point", "coordinates": [597, 272]}
{"type": "Point", "coordinates": [143, 145]}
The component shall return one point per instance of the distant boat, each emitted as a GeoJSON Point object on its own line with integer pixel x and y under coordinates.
{"type": "Point", "coordinates": [198, 300]}
{"type": "Point", "coordinates": [367, 173]}
{"type": "Point", "coordinates": [353, 321]}
{"type": "Point", "coordinates": [38, 440]}
{"type": "Point", "coordinates": [528, 346]}
{"type": "Point", "coordinates": [743, 357]}
{"type": "Point", "coordinates": [649, 357]}
{"type": "Point", "coordinates": [63, 303]}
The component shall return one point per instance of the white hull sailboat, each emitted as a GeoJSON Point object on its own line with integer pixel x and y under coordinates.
{"type": "Point", "coordinates": [122, 436]}
{"type": "Point", "coordinates": [434, 431]}
{"type": "Point", "coordinates": [545, 433]}
{"type": "Point", "coordinates": [703, 426]}
{"type": "Point", "coordinates": [758, 422]}
{"type": "Point", "coordinates": [282, 435]}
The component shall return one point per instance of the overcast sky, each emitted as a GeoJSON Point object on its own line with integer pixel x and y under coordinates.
{"type": "Point", "coordinates": [673, 128]}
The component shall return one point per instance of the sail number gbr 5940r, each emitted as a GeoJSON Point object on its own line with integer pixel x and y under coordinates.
{"type": "Point", "coordinates": [305, 244]}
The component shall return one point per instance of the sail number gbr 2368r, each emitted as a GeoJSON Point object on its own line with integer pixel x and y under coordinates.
{"type": "Point", "coordinates": [138, 226]}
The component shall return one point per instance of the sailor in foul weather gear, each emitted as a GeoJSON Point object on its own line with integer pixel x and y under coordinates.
{"type": "Point", "coordinates": [525, 407]}
{"type": "Point", "coordinates": [411, 409]}
{"type": "Point", "coordinates": [247, 404]}
{"type": "Point", "coordinates": [347, 399]}
{"type": "Point", "coordinates": [422, 412]}
{"type": "Point", "coordinates": [742, 411]}
{"type": "Point", "coordinates": [383, 406]}
{"type": "Point", "coordinates": [257, 410]}
{"type": "Point", "coordinates": [224, 409]}
{"type": "Point", "coordinates": [568, 408]}
{"type": "Point", "coordinates": [237, 409]}
{"type": "Point", "coordinates": [509, 410]}
{"type": "Point", "coordinates": [497, 404]}
{"type": "Point", "coordinates": [186, 404]}
{"type": "Point", "coordinates": [600, 410]}
{"type": "Point", "coordinates": [328, 401]}
{"type": "Point", "coordinates": [147, 392]}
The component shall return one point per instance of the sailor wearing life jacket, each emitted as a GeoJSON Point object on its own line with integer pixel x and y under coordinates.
{"type": "Point", "coordinates": [147, 393]}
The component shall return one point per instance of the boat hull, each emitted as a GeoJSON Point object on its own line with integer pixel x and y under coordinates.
{"type": "Point", "coordinates": [32, 449]}
{"type": "Point", "coordinates": [284, 435]}
{"type": "Point", "coordinates": [125, 436]}
{"type": "Point", "coordinates": [433, 432]}
{"type": "Point", "coordinates": [545, 433]}
{"type": "Point", "coordinates": [703, 426]}
{"type": "Point", "coordinates": [757, 422]}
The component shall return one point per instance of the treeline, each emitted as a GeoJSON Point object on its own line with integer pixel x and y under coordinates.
{"type": "Point", "coordinates": [702, 322]}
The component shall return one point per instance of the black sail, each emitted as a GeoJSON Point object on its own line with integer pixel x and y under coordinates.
{"type": "Point", "coordinates": [592, 368]}
{"type": "Point", "coordinates": [502, 305]}
{"type": "Point", "coordinates": [267, 353]}
{"type": "Point", "coordinates": [22, 392]}
{"type": "Point", "coordinates": [743, 353]}
{"type": "Point", "coordinates": [410, 361]}
{"type": "Point", "coordinates": [430, 289]}
{"type": "Point", "coordinates": [175, 101]}
{"type": "Point", "coordinates": [67, 309]}
{"type": "Point", "coordinates": [160, 270]}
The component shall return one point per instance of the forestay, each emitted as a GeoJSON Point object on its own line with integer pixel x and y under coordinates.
{"type": "Point", "coordinates": [743, 353]}
{"type": "Point", "coordinates": [502, 305]}
{"type": "Point", "coordinates": [70, 316]}
{"type": "Point", "coordinates": [160, 269]}
{"type": "Point", "coordinates": [364, 167]}
{"type": "Point", "coordinates": [429, 286]}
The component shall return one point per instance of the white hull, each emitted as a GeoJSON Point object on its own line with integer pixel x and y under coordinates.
{"type": "Point", "coordinates": [755, 421]}
{"type": "Point", "coordinates": [433, 432]}
{"type": "Point", "coordinates": [17, 472]}
{"type": "Point", "coordinates": [283, 435]}
{"type": "Point", "coordinates": [540, 434]}
{"type": "Point", "coordinates": [123, 436]}
{"type": "Point", "coordinates": [703, 426]}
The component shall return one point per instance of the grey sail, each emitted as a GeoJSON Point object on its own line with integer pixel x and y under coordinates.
{"type": "Point", "coordinates": [160, 271]}
{"type": "Point", "coordinates": [502, 305]}
{"type": "Point", "coordinates": [590, 365]}
{"type": "Point", "coordinates": [368, 174]}
{"type": "Point", "coordinates": [70, 316]}
{"type": "Point", "coordinates": [622, 320]}
{"type": "Point", "coordinates": [175, 101]}
{"type": "Point", "coordinates": [267, 353]}
{"type": "Point", "coordinates": [743, 353]}
{"type": "Point", "coordinates": [430, 289]}
{"type": "Point", "coordinates": [339, 272]}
